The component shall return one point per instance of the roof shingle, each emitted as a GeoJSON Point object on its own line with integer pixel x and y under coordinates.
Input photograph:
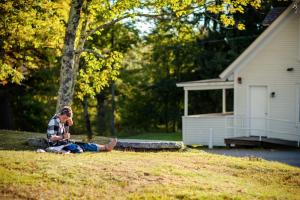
{"type": "Point", "coordinates": [272, 15]}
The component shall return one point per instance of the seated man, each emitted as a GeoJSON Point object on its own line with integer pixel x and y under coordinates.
{"type": "Point", "coordinates": [58, 133]}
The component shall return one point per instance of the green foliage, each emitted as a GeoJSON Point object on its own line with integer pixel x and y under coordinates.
{"type": "Point", "coordinates": [31, 37]}
{"type": "Point", "coordinates": [6, 72]}
{"type": "Point", "coordinates": [186, 44]}
{"type": "Point", "coordinates": [227, 8]}
{"type": "Point", "coordinates": [97, 73]}
{"type": "Point", "coordinates": [32, 103]}
{"type": "Point", "coordinates": [97, 69]}
{"type": "Point", "coordinates": [102, 62]}
{"type": "Point", "coordinates": [178, 50]}
{"type": "Point", "coordinates": [101, 68]}
{"type": "Point", "coordinates": [30, 25]}
{"type": "Point", "coordinates": [30, 31]}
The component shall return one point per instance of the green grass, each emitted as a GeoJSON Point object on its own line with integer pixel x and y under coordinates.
{"type": "Point", "coordinates": [16, 140]}
{"type": "Point", "coordinates": [191, 174]}
{"type": "Point", "coordinates": [156, 136]}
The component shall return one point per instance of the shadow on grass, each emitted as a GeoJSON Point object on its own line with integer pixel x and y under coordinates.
{"type": "Point", "coordinates": [147, 150]}
{"type": "Point", "coordinates": [240, 147]}
{"type": "Point", "coordinates": [17, 140]}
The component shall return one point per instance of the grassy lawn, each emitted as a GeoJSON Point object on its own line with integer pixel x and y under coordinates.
{"type": "Point", "coordinates": [191, 174]}
{"type": "Point", "coordinates": [16, 140]}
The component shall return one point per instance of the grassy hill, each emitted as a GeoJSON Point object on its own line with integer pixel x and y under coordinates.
{"type": "Point", "coordinates": [191, 174]}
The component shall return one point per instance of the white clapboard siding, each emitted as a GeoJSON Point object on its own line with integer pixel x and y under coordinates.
{"type": "Point", "coordinates": [264, 63]}
{"type": "Point", "coordinates": [196, 129]}
{"type": "Point", "coordinates": [268, 66]}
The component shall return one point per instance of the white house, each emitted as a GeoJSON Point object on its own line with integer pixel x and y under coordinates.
{"type": "Point", "coordinates": [266, 83]}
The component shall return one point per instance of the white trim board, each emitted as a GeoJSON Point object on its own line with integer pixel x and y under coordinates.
{"type": "Point", "coordinates": [298, 103]}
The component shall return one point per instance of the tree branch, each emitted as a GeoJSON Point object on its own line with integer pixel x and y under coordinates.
{"type": "Point", "coordinates": [92, 52]}
{"type": "Point", "coordinates": [157, 16]}
{"type": "Point", "coordinates": [103, 26]}
{"type": "Point", "coordinates": [218, 21]}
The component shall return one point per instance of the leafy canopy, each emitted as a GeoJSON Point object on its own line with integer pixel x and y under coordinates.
{"type": "Point", "coordinates": [98, 15]}
{"type": "Point", "coordinates": [29, 27]}
{"type": "Point", "coordinates": [30, 31]}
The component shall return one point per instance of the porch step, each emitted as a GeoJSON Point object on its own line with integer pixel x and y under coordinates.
{"type": "Point", "coordinates": [255, 141]}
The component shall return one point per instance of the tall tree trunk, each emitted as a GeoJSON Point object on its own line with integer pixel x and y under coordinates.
{"type": "Point", "coordinates": [87, 117]}
{"type": "Point", "coordinates": [113, 87]}
{"type": "Point", "coordinates": [6, 111]}
{"type": "Point", "coordinates": [65, 96]}
{"type": "Point", "coordinates": [101, 113]}
{"type": "Point", "coordinates": [174, 128]}
{"type": "Point", "coordinates": [80, 46]}
{"type": "Point", "coordinates": [168, 77]}
{"type": "Point", "coordinates": [167, 112]}
{"type": "Point", "coordinates": [113, 107]}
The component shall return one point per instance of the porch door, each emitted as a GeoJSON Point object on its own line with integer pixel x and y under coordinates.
{"type": "Point", "coordinates": [258, 110]}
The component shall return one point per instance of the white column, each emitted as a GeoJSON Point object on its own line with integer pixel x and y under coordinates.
{"type": "Point", "coordinates": [186, 102]}
{"type": "Point", "coordinates": [224, 101]}
{"type": "Point", "coordinates": [210, 142]}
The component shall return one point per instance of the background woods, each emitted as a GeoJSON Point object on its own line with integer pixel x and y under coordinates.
{"type": "Point", "coordinates": [119, 76]}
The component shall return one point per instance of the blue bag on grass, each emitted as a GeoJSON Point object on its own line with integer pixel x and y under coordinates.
{"type": "Point", "coordinates": [73, 148]}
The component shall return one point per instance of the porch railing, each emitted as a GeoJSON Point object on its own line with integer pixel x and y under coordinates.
{"type": "Point", "coordinates": [237, 126]}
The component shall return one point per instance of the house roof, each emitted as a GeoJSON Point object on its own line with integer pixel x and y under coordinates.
{"type": "Point", "coordinates": [208, 84]}
{"type": "Point", "coordinates": [259, 41]}
{"type": "Point", "coordinates": [272, 15]}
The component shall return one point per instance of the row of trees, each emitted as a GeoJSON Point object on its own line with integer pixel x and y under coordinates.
{"type": "Point", "coordinates": [91, 52]}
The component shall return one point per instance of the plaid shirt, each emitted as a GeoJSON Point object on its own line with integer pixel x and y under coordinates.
{"type": "Point", "coordinates": [55, 127]}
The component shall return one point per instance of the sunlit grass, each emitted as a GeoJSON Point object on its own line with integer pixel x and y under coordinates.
{"type": "Point", "coordinates": [192, 174]}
